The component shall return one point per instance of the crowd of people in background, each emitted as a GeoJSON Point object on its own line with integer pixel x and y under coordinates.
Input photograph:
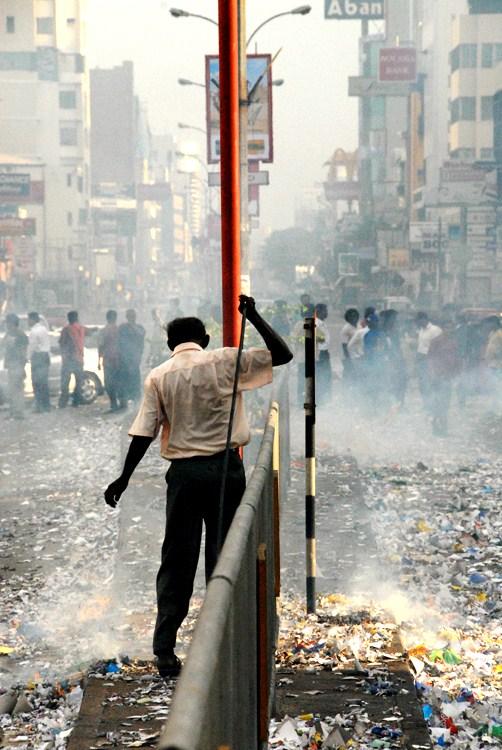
{"type": "Point", "coordinates": [379, 353]}
{"type": "Point", "coordinates": [456, 354]}
{"type": "Point", "coordinates": [120, 352]}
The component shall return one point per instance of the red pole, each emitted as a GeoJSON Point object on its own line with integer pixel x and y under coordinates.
{"type": "Point", "coordinates": [230, 168]}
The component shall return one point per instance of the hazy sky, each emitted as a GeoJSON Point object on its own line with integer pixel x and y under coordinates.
{"type": "Point", "coordinates": [312, 113]}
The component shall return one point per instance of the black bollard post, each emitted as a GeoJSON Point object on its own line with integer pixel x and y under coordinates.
{"type": "Point", "coordinates": [310, 472]}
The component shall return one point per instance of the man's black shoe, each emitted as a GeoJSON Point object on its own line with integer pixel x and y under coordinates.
{"type": "Point", "coordinates": [168, 666]}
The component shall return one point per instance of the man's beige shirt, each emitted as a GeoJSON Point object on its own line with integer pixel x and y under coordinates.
{"type": "Point", "coordinates": [188, 398]}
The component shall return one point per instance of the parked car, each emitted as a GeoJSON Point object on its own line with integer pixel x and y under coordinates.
{"type": "Point", "coordinates": [92, 381]}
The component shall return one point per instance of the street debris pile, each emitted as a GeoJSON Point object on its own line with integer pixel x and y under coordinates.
{"type": "Point", "coordinates": [437, 527]}
{"type": "Point", "coordinates": [441, 536]}
{"type": "Point", "coordinates": [357, 644]}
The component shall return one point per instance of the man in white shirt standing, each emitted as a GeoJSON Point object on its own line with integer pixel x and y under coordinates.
{"type": "Point", "coordinates": [39, 347]}
{"type": "Point", "coordinates": [427, 332]}
{"type": "Point", "coordinates": [187, 399]}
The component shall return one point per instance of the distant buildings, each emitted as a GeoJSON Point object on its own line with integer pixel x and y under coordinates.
{"type": "Point", "coordinates": [428, 82]}
{"type": "Point", "coordinates": [44, 148]}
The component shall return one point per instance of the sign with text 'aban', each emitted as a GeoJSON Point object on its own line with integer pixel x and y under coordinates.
{"type": "Point", "coordinates": [354, 10]}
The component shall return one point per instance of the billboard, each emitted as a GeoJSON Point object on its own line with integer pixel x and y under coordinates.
{"type": "Point", "coordinates": [355, 10]}
{"type": "Point", "coordinates": [348, 190]}
{"type": "Point", "coordinates": [260, 139]}
{"type": "Point", "coordinates": [397, 64]}
{"type": "Point", "coordinates": [14, 185]}
{"type": "Point", "coordinates": [424, 236]}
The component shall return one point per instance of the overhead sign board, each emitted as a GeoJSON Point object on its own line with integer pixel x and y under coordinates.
{"type": "Point", "coordinates": [14, 227]}
{"type": "Point", "coordinates": [354, 10]}
{"type": "Point", "coordinates": [348, 190]}
{"type": "Point", "coordinates": [14, 185]}
{"type": "Point", "coordinates": [425, 236]}
{"type": "Point", "coordinates": [359, 86]}
{"type": "Point", "coordinates": [260, 137]}
{"type": "Point", "coordinates": [397, 64]}
{"type": "Point", "coordinates": [254, 178]}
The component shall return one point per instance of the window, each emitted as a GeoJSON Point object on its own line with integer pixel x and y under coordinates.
{"type": "Point", "coordinates": [464, 56]}
{"type": "Point", "coordinates": [69, 218]}
{"type": "Point", "coordinates": [67, 100]}
{"type": "Point", "coordinates": [463, 154]}
{"type": "Point", "coordinates": [487, 154]}
{"type": "Point", "coordinates": [18, 61]}
{"type": "Point", "coordinates": [80, 184]}
{"type": "Point", "coordinates": [82, 216]}
{"type": "Point", "coordinates": [45, 25]}
{"type": "Point", "coordinates": [497, 53]}
{"type": "Point", "coordinates": [487, 56]}
{"type": "Point", "coordinates": [463, 108]}
{"type": "Point", "coordinates": [487, 107]}
{"type": "Point", "coordinates": [68, 179]}
{"type": "Point", "coordinates": [79, 64]}
{"type": "Point", "coordinates": [10, 24]}
{"type": "Point", "coordinates": [68, 135]}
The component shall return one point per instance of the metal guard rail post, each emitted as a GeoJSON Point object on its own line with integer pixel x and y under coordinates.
{"type": "Point", "coordinates": [225, 694]}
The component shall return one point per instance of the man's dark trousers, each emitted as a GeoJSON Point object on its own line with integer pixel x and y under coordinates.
{"type": "Point", "coordinates": [193, 493]}
{"type": "Point", "coordinates": [40, 363]}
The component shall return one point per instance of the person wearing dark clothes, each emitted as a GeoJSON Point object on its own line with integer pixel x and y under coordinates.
{"type": "Point", "coordinates": [444, 366]}
{"type": "Point", "coordinates": [395, 377]}
{"type": "Point", "coordinates": [131, 342]}
{"type": "Point", "coordinates": [280, 319]}
{"type": "Point", "coordinates": [187, 399]}
{"type": "Point", "coordinates": [109, 359]}
{"type": "Point", "coordinates": [16, 353]}
{"type": "Point", "coordinates": [39, 347]}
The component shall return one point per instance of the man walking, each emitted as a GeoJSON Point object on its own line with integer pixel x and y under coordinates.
{"type": "Point", "coordinates": [16, 351]}
{"type": "Point", "coordinates": [71, 342]}
{"type": "Point", "coordinates": [108, 358]}
{"type": "Point", "coordinates": [427, 332]}
{"type": "Point", "coordinates": [188, 399]}
{"type": "Point", "coordinates": [131, 341]}
{"type": "Point", "coordinates": [39, 347]}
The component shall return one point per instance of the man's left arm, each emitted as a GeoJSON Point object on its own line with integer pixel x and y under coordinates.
{"type": "Point", "coordinates": [137, 449]}
{"type": "Point", "coordinates": [279, 350]}
{"type": "Point", "coordinates": [143, 431]}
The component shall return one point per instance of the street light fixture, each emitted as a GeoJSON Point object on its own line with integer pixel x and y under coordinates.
{"type": "Point", "coordinates": [179, 13]}
{"type": "Point", "coordinates": [188, 82]}
{"type": "Point", "coordinates": [185, 126]}
{"type": "Point", "coordinates": [301, 10]}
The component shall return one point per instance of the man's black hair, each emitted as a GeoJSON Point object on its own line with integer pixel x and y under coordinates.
{"type": "Point", "coordinates": [72, 316]}
{"type": "Point", "coordinates": [181, 330]}
{"type": "Point", "coordinates": [351, 315]}
{"type": "Point", "coordinates": [34, 316]}
{"type": "Point", "coordinates": [422, 316]}
{"type": "Point", "coordinates": [369, 311]}
{"type": "Point", "coordinates": [12, 319]}
{"type": "Point", "coordinates": [111, 316]}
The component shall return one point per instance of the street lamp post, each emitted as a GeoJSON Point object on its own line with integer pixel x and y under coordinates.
{"type": "Point", "coordinates": [185, 126]}
{"type": "Point", "coordinates": [302, 10]}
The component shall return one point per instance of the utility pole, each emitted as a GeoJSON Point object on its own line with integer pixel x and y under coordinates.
{"type": "Point", "coordinates": [243, 122]}
{"type": "Point", "coordinates": [228, 18]}
{"type": "Point", "coordinates": [440, 263]}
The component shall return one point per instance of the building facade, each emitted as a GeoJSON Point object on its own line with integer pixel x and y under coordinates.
{"type": "Point", "coordinates": [44, 121]}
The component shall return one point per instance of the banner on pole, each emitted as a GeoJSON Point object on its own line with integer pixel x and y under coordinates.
{"type": "Point", "coordinates": [260, 135]}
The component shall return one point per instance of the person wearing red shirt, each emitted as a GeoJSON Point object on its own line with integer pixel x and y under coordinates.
{"type": "Point", "coordinates": [71, 342]}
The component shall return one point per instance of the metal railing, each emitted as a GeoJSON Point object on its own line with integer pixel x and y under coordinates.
{"type": "Point", "coordinates": [224, 697]}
